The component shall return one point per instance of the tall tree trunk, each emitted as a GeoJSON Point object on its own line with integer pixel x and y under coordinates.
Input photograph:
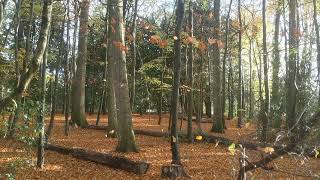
{"type": "Point", "coordinates": [134, 60]}
{"type": "Point", "coordinates": [54, 103]}
{"type": "Point", "coordinates": [2, 8]}
{"type": "Point", "coordinates": [292, 91]}
{"type": "Point", "coordinates": [224, 63]}
{"type": "Point", "coordinates": [28, 40]}
{"type": "Point", "coordinates": [75, 30]}
{"type": "Point", "coordinates": [218, 125]}
{"type": "Point", "coordinates": [239, 103]}
{"type": "Point", "coordinates": [66, 74]}
{"type": "Point", "coordinates": [78, 114]}
{"type": "Point", "coordinates": [230, 91]}
{"type": "Point", "coordinates": [176, 84]}
{"type": "Point", "coordinates": [42, 110]}
{"type": "Point", "coordinates": [119, 73]}
{"type": "Point", "coordinates": [190, 75]}
{"type": "Point", "coordinates": [275, 94]}
{"type": "Point", "coordinates": [266, 108]}
{"type": "Point", "coordinates": [316, 27]}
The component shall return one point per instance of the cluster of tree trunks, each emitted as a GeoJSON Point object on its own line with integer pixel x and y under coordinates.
{"type": "Point", "coordinates": [116, 162]}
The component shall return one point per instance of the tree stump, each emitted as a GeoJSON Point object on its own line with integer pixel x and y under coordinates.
{"type": "Point", "coordinates": [173, 171]}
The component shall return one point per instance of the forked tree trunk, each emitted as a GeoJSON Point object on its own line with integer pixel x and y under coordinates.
{"type": "Point", "coordinates": [36, 60]}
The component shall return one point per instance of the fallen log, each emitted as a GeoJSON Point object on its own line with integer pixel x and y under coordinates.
{"type": "Point", "coordinates": [116, 162]}
{"type": "Point", "coordinates": [214, 139]}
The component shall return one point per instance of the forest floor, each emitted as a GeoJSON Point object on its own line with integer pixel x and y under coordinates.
{"type": "Point", "coordinates": [201, 160]}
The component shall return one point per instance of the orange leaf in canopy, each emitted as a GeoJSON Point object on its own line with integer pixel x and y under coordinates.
{"type": "Point", "coordinates": [113, 30]}
{"type": "Point", "coordinates": [202, 46]}
{"type": "Point", "coordinates": [189, 40]}
{"type": "Point", "coordinates": [121, 46]}
{"type": "Point", "coordinates": [155, 39]}
{"type": "Point", "coordinates": [113, 20]}
{"type": "Point", "coordinates": [212, 41]}
{"type": "Point", "coordinates": [296, 33]}
{"type": "Point", "coordinates": [220, 44]}
{"type": "Point", "coordinates": [130, 38]}
{"type": "Point", "coordinates": [163, 43]}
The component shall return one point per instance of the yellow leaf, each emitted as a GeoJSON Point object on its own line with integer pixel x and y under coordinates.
{"type": "Point", "coordinates": [247, 125]}
{"type": "Point", "coordinates": [317, 153]}
{"type": "Point", "coordinates": [232, 148]}
{"type": "Point", "coordinates": [199, 138]}
{"type": "Point", "coordinates": [174, 139]}
{"type": "Point", "coordinates": [269, 150]}
{"type": "Point", "coordinates": [217, 143]}
{"type": "Point", "coordinates": [175, 37]}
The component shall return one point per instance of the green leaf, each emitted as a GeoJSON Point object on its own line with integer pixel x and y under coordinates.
{"type": "Point", "coordinates": [317, 153]}
{"type": "Point", "coordinates": [232, 148]}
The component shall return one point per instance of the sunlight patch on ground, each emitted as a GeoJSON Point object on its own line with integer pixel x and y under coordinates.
{"type": "Point", "coordinates": [52, 167]}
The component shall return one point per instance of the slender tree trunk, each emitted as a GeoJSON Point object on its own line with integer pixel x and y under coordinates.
{"type": "Point", "coordinates": [224, 64]}
{"type": "Point", "coordinates": [2, 8]}
{"type": "Point", "coordinates": [54, 103]}
{"type": "Point", "coordinates": [230, 90]}
{"type": "Point", "coordinates": [275, 95]}
{"type": "Point", "coordinates": [119, 73]}
{"type": "Point", "coordinates": [67, 74]}
{"type": "Point", "coordinates": [28, 40]}
{"type": "Point", "coordinates": [266, 108]}
{"type": "Point", "coordinates": [75, 30]}
{"type": "Point", "coordinates": [176, 83]}
{"type": "Point", "coordinates": [42, 111]}
{"type": "Point", "coordinates": [239, 103]}
{"type": "Point", "coordinates": [134, 60]}
{"type": "Point", "coordinates": [78, 114]}
{"type": "Point", "coordinates": [251, 99]}
{"type": "Point", "coordinates": [190, 75]}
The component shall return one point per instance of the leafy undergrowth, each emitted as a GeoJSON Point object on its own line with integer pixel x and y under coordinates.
{"type": "Point", "coordinates": [201, 160]}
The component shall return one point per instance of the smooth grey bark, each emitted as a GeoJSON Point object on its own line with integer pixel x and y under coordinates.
{"type": "Point", "coordinates": [117, 56]}
{"type": "Point", "coordinates": [134, 60]}
{"type": "Point", "coordinates": [78, 114]}
{"type": "Point", "coordinates": [28, 39]}
{"type": "Point", "coordinates": [42, 110]}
